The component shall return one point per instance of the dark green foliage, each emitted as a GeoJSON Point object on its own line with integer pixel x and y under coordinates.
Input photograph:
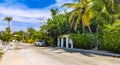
{"type": "Point", "coordinates": [86, 41]}
{"type": "Point", "coordinates": [4, 36]}
{"type": "Point", "coordinates": [111, 37]}
{"type": "Point", "coordinates": [49, 41]}
{"type": "Point", "coordinates": [55, 27]}
{"type": "Point", "coordinates": [19, 35]}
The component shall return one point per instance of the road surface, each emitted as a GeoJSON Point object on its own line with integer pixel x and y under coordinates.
{"type": "Point", "coordinates": [26, 54]}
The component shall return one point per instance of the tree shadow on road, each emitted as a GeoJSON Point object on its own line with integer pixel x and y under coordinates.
{"type": "Point", "coordinates": [70, 51]}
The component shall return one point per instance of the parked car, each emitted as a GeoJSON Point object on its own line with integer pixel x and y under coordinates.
{"type": "Point", "coordinates": [40, 43]}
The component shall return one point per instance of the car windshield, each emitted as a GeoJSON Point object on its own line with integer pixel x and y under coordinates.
{"type": "Point", "coordinates": [40, 41]}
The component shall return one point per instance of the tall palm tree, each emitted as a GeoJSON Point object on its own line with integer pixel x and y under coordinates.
{"type": "Point", "coordinates": [8, 19]}
{"type": "Point", "coordinates": [81, 11]}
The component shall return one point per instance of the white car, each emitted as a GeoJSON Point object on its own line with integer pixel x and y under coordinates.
{"type": "Point", "coordinates": [40, 43]}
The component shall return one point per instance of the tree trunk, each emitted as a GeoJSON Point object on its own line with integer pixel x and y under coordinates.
{"type": "Point", "coordinates": [90, 29]}
{"type": "Point", "coordinates": [9, 26]}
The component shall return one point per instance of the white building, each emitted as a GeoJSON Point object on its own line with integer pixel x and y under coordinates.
{"type": "Point", "coordinates": [65, 41]}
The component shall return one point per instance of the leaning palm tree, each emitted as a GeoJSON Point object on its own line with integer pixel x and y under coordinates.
{"type": "Point", "coordinates": [81, 11]}
{"type": "Point", "coordinates": [8, 19]}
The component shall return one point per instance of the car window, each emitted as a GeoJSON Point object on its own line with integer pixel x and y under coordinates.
{"type": "Point", "coordinates": [40, 41]}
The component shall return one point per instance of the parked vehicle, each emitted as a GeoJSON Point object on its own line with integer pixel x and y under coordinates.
{"type": "Point", "coordinates": [40, 43]}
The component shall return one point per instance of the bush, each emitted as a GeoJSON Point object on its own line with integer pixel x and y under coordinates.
{"type": "Point", "coordinates": [111, 37]}
{"type": "Point", "coordinates": [30, 41]}
{"type": "Point", "coordinates": [86, 41]}
{"type": "Point", "coordinates": [50, 41]}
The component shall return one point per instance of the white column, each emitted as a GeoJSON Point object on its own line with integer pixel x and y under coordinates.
{"type": "Point", "coordinates": [58, 42]}
{"type": "Point", "coordinates": [62, 42]}
{"type": "Point", "coordinates": [0, 43]}
{"type": "Point", "coordinates": [71, 43]}
{"type": "Point", "coordinates": [67, 42]}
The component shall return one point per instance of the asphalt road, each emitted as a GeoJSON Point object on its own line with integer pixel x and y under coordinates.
{"type": "Point", "coordinates": [31, 55]}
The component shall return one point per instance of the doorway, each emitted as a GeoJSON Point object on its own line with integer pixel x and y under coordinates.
{"type": "Point", "coordinates": [64, 42]}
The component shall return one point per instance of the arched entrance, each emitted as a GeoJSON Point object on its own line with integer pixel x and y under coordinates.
{"type": "Point", "coordinates": [65, 41]}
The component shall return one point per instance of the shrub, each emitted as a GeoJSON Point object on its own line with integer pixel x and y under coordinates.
{"type": "Point", "coordinates": [86, 41]}
{"type": "Point", "coordinates": [111, 37]}
{"type": "Point", "coordinates": [50, 41]}
{"type": "Point", "coordinates": [30, 41]}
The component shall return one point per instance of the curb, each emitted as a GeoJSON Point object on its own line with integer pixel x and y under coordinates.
{"type": "Point", "coordinates": [93, 52]}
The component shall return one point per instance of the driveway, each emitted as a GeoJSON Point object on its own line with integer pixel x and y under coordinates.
{"type": "Point", "coordinates": [26, 54]}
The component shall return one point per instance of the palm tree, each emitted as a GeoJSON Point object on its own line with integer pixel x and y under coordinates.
{"type": "Point", "coordinates": [107, 10]}
{"type": "Point", "coordinates": [82, 11]}
{"type": "Point", "coordinates": [54, 11]}
{"type": "Point", "coordinates": [8, 19]}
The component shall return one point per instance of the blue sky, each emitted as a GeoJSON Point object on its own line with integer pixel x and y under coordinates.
{"type": "Point", "coordinates": [27, 13]}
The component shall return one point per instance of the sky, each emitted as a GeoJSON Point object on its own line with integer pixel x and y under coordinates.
{"type": "Point", "coordinates": [27, 13]}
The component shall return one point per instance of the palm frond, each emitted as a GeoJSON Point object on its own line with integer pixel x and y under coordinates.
{"type": "Point", "coordinates": [70, 19]}
{"type": "Point", "coordinates": [8, 18]}
{"type": "Point", "coordinates": [68, 5]}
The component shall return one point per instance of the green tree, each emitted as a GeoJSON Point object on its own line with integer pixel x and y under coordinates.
{"type": "Point", "coordinates": [56, 26]}
{"type": "Point", "coordinates": [111, 35]}
{"type": "Point", "coordinates": [5, 36]}
{"type": "Point", "coordinates": [106, 12]}
{"type": "Point", "coordinates": [19, 35]}
{"type": "Point", "coordinates": [31, 35]}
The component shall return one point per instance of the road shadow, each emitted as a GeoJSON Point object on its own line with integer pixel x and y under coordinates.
{"type": "Point", "coordinates": [70, 51]}
{"type": "Point", "coordinates": [18, 48]}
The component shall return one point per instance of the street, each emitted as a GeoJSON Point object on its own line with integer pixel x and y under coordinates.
{"type": "Point", "coordinates": [26, 54]}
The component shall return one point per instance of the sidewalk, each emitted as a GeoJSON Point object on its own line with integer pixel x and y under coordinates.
{"type": "Point", "coordinates": [94, 52]}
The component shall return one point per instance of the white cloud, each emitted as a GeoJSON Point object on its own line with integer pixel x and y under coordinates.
{"type": "Point", "coordinates": [59, 3]}
{"type": "Point", "coordinates": [21, 13]}
{"type": "Point", "coordinates": [24, 15]}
